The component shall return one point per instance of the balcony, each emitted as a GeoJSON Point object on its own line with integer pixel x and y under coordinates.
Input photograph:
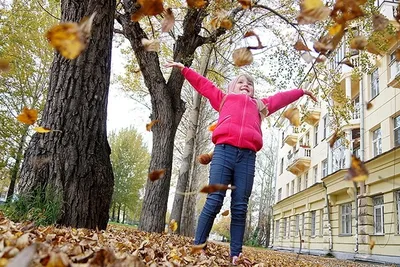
{"type": "Point", "coordinates": [313, 113]}
{"type": "Point", "coordinates": [354, 121]}
{"type": "Point", "coordinates": [300, 161]}
{"type": "Point", "coordinates": [394, 67]}
{"type": "Point", "coordinates": [291, 135]}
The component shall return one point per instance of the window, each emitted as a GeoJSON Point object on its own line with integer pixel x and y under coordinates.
{"type": "Point", "coordinates": [296, 233]}
{"type": "Point", "coordinates": [345, 213]}
{"type": "Point", "coordinates": [287, 190]}
{"type": "Point", "coordinates": [325, 131]}
{"type": "Point", "coordinates": [302, 224]}
{"type": "Point", "coordinates": [281, 169]}
{"type": "Point", "coordinates": [292, 188]}
{"type": "Point", "coordinates": [316, 134]}
{"type": "Point", "coordinates": [315, 174]}
{"type": "Point", "coordinates": [313, 214]}
{"type": "Point", "coordinates": [324, 168]}
{"type": "Point", "coordinates": [377, 142]}
{"type": "Point", "coordinates": [338, 155]}
{"type": "Point", "coordinates": [306, 180]}
{"type": "Point", "coordinates": [307, 139]}
{"type": "Point", "coordinates": [396, 128]}
{"type": "Point", "coordinates": [356, 106]}
{"type": "Point", "coordinates": [394, 66]}
{"type": "Point", "coordinates": [277, 229]}
{"type": "Point", "coordinates": [378, 215]}
{"type": "Point", "coordinates": [279, 194]}
{"type": "Point", "coordinates": [374, 83]}
{"type": "Point", "coordinates": [299, 184]}
{"type": "Point", "coordinates": [398, 211]}
{"type": "Point", "coordinates": [321, 222]}
{"type": "Point", "coordinates": [284, 227]}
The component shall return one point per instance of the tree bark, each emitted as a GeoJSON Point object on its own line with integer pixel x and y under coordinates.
{"type": "Point", "coordinates": [17, 165]}
{"type": "Point", "coordinates": [76, 161]}
{"type": "Point", "coordinates": [187, 159]}
{"type": "Point", "coordinates": [119, 212]}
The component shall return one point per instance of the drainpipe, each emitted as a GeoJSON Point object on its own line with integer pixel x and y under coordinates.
{"type": "Point", "coordinates": [328, 210]}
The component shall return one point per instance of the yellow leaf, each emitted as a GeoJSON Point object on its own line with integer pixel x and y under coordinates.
{"type": "Point", "coordinates": [67, 39]}
{"type": "Point", "coordinates": [150, 125]}
{"type": "Point", "coordinates": [357, 171]}
{"type": "Point", "coordinates": [212, 126]}
{"type": "Point", "coordinates": [197, 248]}
{"type": "Point", "coordinates": [311, 4]}
{"type": "Point", "coordinates": [358, 42]}
{"type": "Point", "coordinates": [293, 115]}
{"type": "Point", "coordinates": [371, 244]}
{"type": "Point", "coordinates": [173, 225]}
{"type": "Point", "coordinates": [28, 116]}
{"type": "Point", "coordinates": [196, 3]}
{"type": "Point", "coordinates": [335, 29]}
{"type": "Point", "coordinates": [42, 130]}
{"type": "Point", "coordinates": [148, 8]}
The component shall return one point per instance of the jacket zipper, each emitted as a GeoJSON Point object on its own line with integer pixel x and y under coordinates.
{"type": "Point", "coordinates": [242, 122]}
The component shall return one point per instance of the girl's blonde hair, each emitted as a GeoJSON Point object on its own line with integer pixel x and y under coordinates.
{"type": "Point", "coordinates": [232, 84]}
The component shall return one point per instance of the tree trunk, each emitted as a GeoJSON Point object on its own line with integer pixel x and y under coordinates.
{"type": "Point", "coordinates": [17, 164]}
{"type": "Point", "coordinates": [186, 165]}
{"type": "Point", "coordinates": [119, 212]}
{"type": "Point", "coordinates": [123, 216]}
{"type": "Point", "coordinates": [76, 161]}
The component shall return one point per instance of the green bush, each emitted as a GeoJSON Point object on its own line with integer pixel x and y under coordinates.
{"type": "Point", "coordinates": [43, 207]}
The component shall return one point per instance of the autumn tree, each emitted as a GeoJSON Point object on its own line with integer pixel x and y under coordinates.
{"type": "Point", "coordinates": [23, 25]}
{"type": "Point", "coordinates": [130, 159]}
{"type": "Point", "coordinates": [76, 160]}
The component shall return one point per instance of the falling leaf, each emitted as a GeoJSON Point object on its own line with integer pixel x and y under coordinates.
{"type": "Point", "coordinates": [249, 34]}
{"type": "Point", "coordinates": [150, 125]}
{"type": "Point", "coordinates": [168, 21]}
{"type": "Point", "coordinates": [152, 45]}
{"type": "Point", "coordinates": [226, 23]}
{"type": "Point", "coordinates": [4, 65]}
{"type": "Point", "coordinates": [371, 244]}
{"type": "Point", "coordinates": [70, 38]}
{"type": "Point", "coordinates": [312, 11]}
{"type": "Point", "coordinates": [335, 29]}
{"type": "Point", "coordinates": [307, 57]}
{"type": "Point", "coordinates": [359, 43]}
{"type": "Point", "coordinates": [41, 130]}
{"type": "Point", "coordinates": [157, 174]}
{"type": "Point", "coordinates": [369, 105]}
{"type": "Point", "coordinates": [212, 127]}
{"type": "Point", "coordinates": [379, 22]}
{"type": "Point", "coordinates": [225, 213]}
{"type": "Point", "coordinates": [173, 225]}
{"type": "Point", "coordinates": [215, 187]}
{"type": "Point", "coordinates": [28, 116]}
{"type": "Point", "coordinates": [293, 115]}
{"type": "Point", "coordinates": [147, 8]}
{"type": "Point", "coordinates": [205, 158]}
{"type": "Point", "coordinates": [246, 4]}
{"type": "Point", "coordinates": [242, 57]}
{"type": "Point", "coordinates": [300, 46]}
{"type": "Point", "coordinates": [347, 62]}
{"type": "Point", "coordinates": [397, 54]}
{"type": "Point", "coordinates": [345, 10]}
{"type": "Point", "coordinates": [321, 58]}
{"type": "Point", "coordinates": [196, 3]}
{"type": "Point", "coordinates": [357, 171]}
{"type": "Point", "coordinates": [197, 248]}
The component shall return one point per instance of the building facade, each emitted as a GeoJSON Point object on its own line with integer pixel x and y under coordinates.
{"type": "Point", "coordinates": [316, 210]}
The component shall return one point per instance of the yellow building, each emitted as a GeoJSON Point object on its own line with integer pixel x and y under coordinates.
{"type": "Point", "coordinates": [316, 208]}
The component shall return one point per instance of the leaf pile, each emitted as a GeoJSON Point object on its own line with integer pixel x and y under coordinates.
{"type": "Point", "coordinates": [124, 246]}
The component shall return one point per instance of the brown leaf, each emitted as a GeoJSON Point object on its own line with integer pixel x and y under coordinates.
{"type": "Point", "coordinates": [359, 43]}
{"type": "Point", "coordinates": [357, 171]}
{"type": "Point", "coordinates": [28, 116]}
{"type": "Point", "coordinates": [246, 4]}
{"type": "Point", "coordinates": [312, 11]}
{"type": "Point", "coordinates": [226, 23]}
{"type": "Point", "coordinates": [347, 62]}
{"type": "Point", "coordinates": [150, 125]}
{"type": "Point", "coordinates": [148, 8]}
{"type": "Point", "coordinates": [168, 21]}
{"type": "Point", "coordinates": [152, 45]}
{"type": "Point", "coordinates": [293, 115]}
{"type": "Point", "coordinates": [196, 3]}
{"type": "Point", "coordinates": [205, 158]}
{"type": "Point", "coordinates": [215, 187]}
{"type": "Point", "coordinates": [197, 248]}
{"type": "Point", "coordinates": [157, 174]}
{"type": "Point", "coordinates": [24, 258]}
{"type": "Point", "coordinates": [173, 225]}
{"type": "Point", "coordinates": [225, 213]}
{"type": "Point", "coordinates": [242, 57]}
{"type": "Point", "coordinates": [371, 244]}
{"type": "Point", "coordinates": [212, 126]}
{"type": "Point", "coordinates": [369, 105]}
{"type": "Point", "coordinates": [379, 22]}
{"type": "Point", "coordinates": [249, 33]}
{"type": "Point", "coordinates": [397, 54]}
{"type": "Point", "coordinates": [4, 65]}
{"type": "Point", "coordinates": [300, 46]}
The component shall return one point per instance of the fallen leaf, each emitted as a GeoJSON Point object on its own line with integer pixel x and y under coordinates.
{"type": "Point", "coordinates": [293, 115]}
{"type": "Point", "coordinates": [41, 130]}
{"type": "Point", "coordinates": [152, 45]}
{"type": "Point", "coordinates": [197, 248]}
{"type": "Point", "coordinates": [24, 258]}
{"type": "Point", "coordinates": [242, 57]}
{"type": "Point", "coordinates": [150, 125]}
{"type": "Point", "coordinates": [357, 171]}
{"type": "Point", "coordinates": [22, 241]}
{"type": "Point", "coordinates": [225, 213]}
{"type": "Point", "coordinates": [168, 21]}
{"type": "Point", "coordinates": [196, 3]}
{"type": "Point", "coordinates": [157, 174]}
{"type": "Point", "coordinates": [205, 158]}
{"type": "Point", "coordinates": [4, 65]}
{"type": "Point", "coordinates": [173, 225]}
{"type": "Point", "coordinates": [28, 116]}
{"type": "Point", "coordinates": [215, 187]}
{"type": "Point", "coordinates": [300, 46]}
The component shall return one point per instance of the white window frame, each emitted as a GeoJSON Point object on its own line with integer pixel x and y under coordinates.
{"type": "Point", "coordinates": [346, 217]}
{"type": "Point", "coordinates": [285, 227]}
{"type": "Point", "coordinates": [316, 135]}
{"type": "Point", "coordinates": [324, 168]}
{"type": "Point", "coordinates": [292, 188]}
{"type": "Point", "coordinates": [321, 222]}
{"type": "Point", "coordinates": [297, 225]}
{"type": "Point", "coordinates": [306, 180]}
{"type": "Point", "coordinates": [282, 163]}
{"type": "Point", "coordinates": [374, 83]}
{"type": "Point", "coordinates": [378, 202]}
{"type": "Point", "coordinates": [287, 190]}
{"type": "Point", "coordinates": [396, 130]}
{"type": "Point", "coordinates": [315, 173]}
{"type": "Point", "coordinates": [325, 131]}
{"type": "Point", "coordinates": [377, 142]}
{"type": "Point", "coordinates": [394, 66]}
{"type": "Point", "coordinates": [313, 222]}
{"type": "Point", "coordinates": [299, 184]}
{"type": "Point", "coordinates": [279, 194]}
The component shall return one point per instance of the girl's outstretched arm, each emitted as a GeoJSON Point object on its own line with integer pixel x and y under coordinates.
{"type": "Point", "coordinates": [202, 85]}
{"type": "Point", "coordinates": [282, 99]}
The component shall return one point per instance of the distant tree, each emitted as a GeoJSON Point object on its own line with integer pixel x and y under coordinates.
{"type": "Point", "coordinates": [222, 227]}
{"type": "Point", "coordinates": [130, 160]}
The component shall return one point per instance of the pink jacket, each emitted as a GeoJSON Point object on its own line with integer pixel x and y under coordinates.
{"type": "Point", "coordinates": [239, 122]}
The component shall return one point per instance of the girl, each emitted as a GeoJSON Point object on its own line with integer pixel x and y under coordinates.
{"type": "Point", "coordinates": [237, 138]}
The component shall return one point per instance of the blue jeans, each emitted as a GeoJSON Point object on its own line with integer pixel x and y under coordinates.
{"type": "Point", "coordinates": [235, 166]}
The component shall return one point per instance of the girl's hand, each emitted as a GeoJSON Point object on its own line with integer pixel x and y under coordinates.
{"type": "Point", "coordinates": [309, 94]}
{"type": "Point", "coordinates": [171, 64]}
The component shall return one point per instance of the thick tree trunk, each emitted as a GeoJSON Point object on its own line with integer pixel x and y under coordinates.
{"type": "Point", "coordinates": [124, 213]}
{"type": "Point", "coordinates": [119, 212]}
{"type": "Point", "coordinates": [17, 165]}
{"type": "Point", "coordinates": [76, 161]}
{"type": "Point", "coordinates": [187, 159]}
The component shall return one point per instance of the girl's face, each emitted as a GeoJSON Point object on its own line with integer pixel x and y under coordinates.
{"type": "Point", "coordinates": [244, 86]}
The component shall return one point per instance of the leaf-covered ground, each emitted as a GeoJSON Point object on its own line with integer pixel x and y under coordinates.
{"type": "Point", "coordinates": [21, 243]}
